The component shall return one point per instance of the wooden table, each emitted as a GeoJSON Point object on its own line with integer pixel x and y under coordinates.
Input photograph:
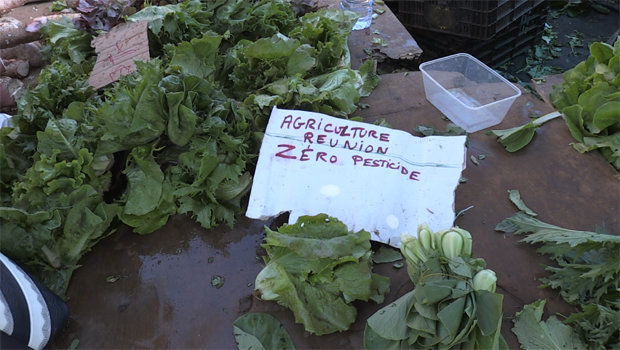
{"type": "Point", "coordinates": [164, 297]}
{"type": "Point", "coordinates": [400, 45]}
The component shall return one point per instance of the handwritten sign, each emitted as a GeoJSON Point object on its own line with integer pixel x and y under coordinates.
{"type": "Point", "coordinates": [382, 180]}
{"type": "Point", "coordinates": [116, 52]}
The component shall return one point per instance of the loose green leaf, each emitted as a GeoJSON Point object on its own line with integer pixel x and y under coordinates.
{"type": "Point", "coordinates": [587, 272]}
{"type": "Point", "coordinates": [518, 137]}
{"type": "Point", "coordinates": [261, 331]}
{"type": "Point", "coordinates": [535, 334]}
{"type": "Point", "coordinates": [515, 197]}
{"type": "Point", "coordinates": [515, 138]}
{"type": "Point", "coordinates": [386, 254]}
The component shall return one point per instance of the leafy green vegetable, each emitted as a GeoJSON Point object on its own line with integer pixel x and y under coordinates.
{"type": "Point", "coordinates": [177, 136]}
{"type": "Point", "coordinates": [451, 130]}
{"type": "Point", "coordinates": [386, 254]}
{"type": "Point", "coordinates": [61, 85]}
{"type": "Point", "coordinates": [65, 42]}
{"type": "Point", "coordinates": [589, 98]}
{"type": "Point", "coordinates": [58, 214]}
{"type": "Point", "coordinates": [588, 275]}
{"type": "Point", "coordinates": [453, 305]}
{"type": "Point", "coordinates": [261, 331]}
{"type": "Point", "coordinates": [316, 268]}
{"type": "Point", "coordinates": [518, 137]}
{"type": "Point", "coordinates": [535, 334]}
{"type": "Point", "coordinates": [515, 198]}
{"type": "Point", "coordinates": [15, 159]}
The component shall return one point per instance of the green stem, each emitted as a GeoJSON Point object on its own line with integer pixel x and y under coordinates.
{"type": "Point", "coordinates": [547, 117]}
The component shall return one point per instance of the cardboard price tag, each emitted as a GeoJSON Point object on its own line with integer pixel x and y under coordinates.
{"type": "Point", "coordinates": [116, 52]}
{"type": "Point", "coordinates": [382, 180]}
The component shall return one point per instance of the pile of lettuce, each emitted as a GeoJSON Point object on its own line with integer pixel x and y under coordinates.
{"type": "Point", "coordinates": [317, 268]}
{"type": "Point", "coordinates": [178, 136]}
{"type": "Point", "coordinates": [589, 98]}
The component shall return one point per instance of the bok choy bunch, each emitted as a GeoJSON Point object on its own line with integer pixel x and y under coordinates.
{"type": "Point", "coordinates": [453, 305]}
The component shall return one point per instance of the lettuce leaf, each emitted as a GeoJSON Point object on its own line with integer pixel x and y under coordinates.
{"type": "Point", "coordinates": [261, 331]}
{"type": "Point", "coordinates": [316, 268]}
{"type": "Point", "coordinates": [57, 214]}
{"type": "Point", "coordinates": [535, 334]}
{"type": "Point", "coordinates": [590, 101]}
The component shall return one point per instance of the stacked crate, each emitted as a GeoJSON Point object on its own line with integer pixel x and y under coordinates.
{"type": "Point", "coordinates": [492, 31]}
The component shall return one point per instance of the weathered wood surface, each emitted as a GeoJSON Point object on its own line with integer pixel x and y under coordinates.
{"type": "Point", "coordinates": [164, 298]}
{"type": "Point", "coordinates": [545, 85]}
{"type": "Point", "coordinates": [400, 44]}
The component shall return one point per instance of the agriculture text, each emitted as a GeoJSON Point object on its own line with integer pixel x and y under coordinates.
{"type": "Point", "coordinates": [358, 139]}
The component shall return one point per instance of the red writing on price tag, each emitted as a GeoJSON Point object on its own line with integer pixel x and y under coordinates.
{"type": "Point", "coordinates": [117, 51]}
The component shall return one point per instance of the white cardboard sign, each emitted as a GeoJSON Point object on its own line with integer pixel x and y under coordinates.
{"type": "Point", "coordinates": [382, 180]}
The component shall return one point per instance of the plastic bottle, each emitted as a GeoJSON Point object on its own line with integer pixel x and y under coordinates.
{"type": "Point", "coordinates": [363, 8]}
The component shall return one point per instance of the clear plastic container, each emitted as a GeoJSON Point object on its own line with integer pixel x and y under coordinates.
{"type": "Point", "coordinates": [469, 93]}
{"type": "Point", "coordinates": [363, 8]}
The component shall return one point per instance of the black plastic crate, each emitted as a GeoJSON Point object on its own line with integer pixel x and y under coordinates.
{"type": "Point", "coordinates": [471, 19]}
{"type": "Point", "coordinates": [516, 38]}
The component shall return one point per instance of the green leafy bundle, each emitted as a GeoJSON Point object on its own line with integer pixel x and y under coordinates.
{"type": "Point", "coordinates": [176, 136]}
{"type": "Point", "coordinates": [588, 276]}
{"type": "Point", "coordinates": [316, 268]}
{"type": "Point", "coordinates": [589, 98]}
{"type": "Point", "coordinates": [453, 305]}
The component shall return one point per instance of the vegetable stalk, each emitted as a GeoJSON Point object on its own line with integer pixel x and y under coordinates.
{"type": "Point", "coordinates": [516, 138]}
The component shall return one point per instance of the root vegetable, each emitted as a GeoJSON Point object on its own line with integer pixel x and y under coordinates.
{"type": "Point", "coordinates": [7, 5]}
{"type": "Point", "coordinates": [10, 91]}
{"type": "Point", "coordinates": [14, 68]}
{"type": "Point", "coordinates": [30, 52]}
{"type": "Point", "coordinates": [13, 32]}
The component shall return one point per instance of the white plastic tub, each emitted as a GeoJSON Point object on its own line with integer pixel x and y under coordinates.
{"type": "Point", "coordinates": [469, 93]}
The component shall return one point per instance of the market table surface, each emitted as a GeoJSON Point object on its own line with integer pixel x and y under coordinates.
{"type": "Point", "coordinates": [391, 38]}
{"type": "Point", "coordinates": [162, 295]}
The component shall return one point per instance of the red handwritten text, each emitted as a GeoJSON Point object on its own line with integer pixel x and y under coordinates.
{"type": "Point", "coordinates": [343, 130]}
{"type": "Point", "coordinates": [382, 163]}
{"type": "Point", "coordinates": [309, 137]}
